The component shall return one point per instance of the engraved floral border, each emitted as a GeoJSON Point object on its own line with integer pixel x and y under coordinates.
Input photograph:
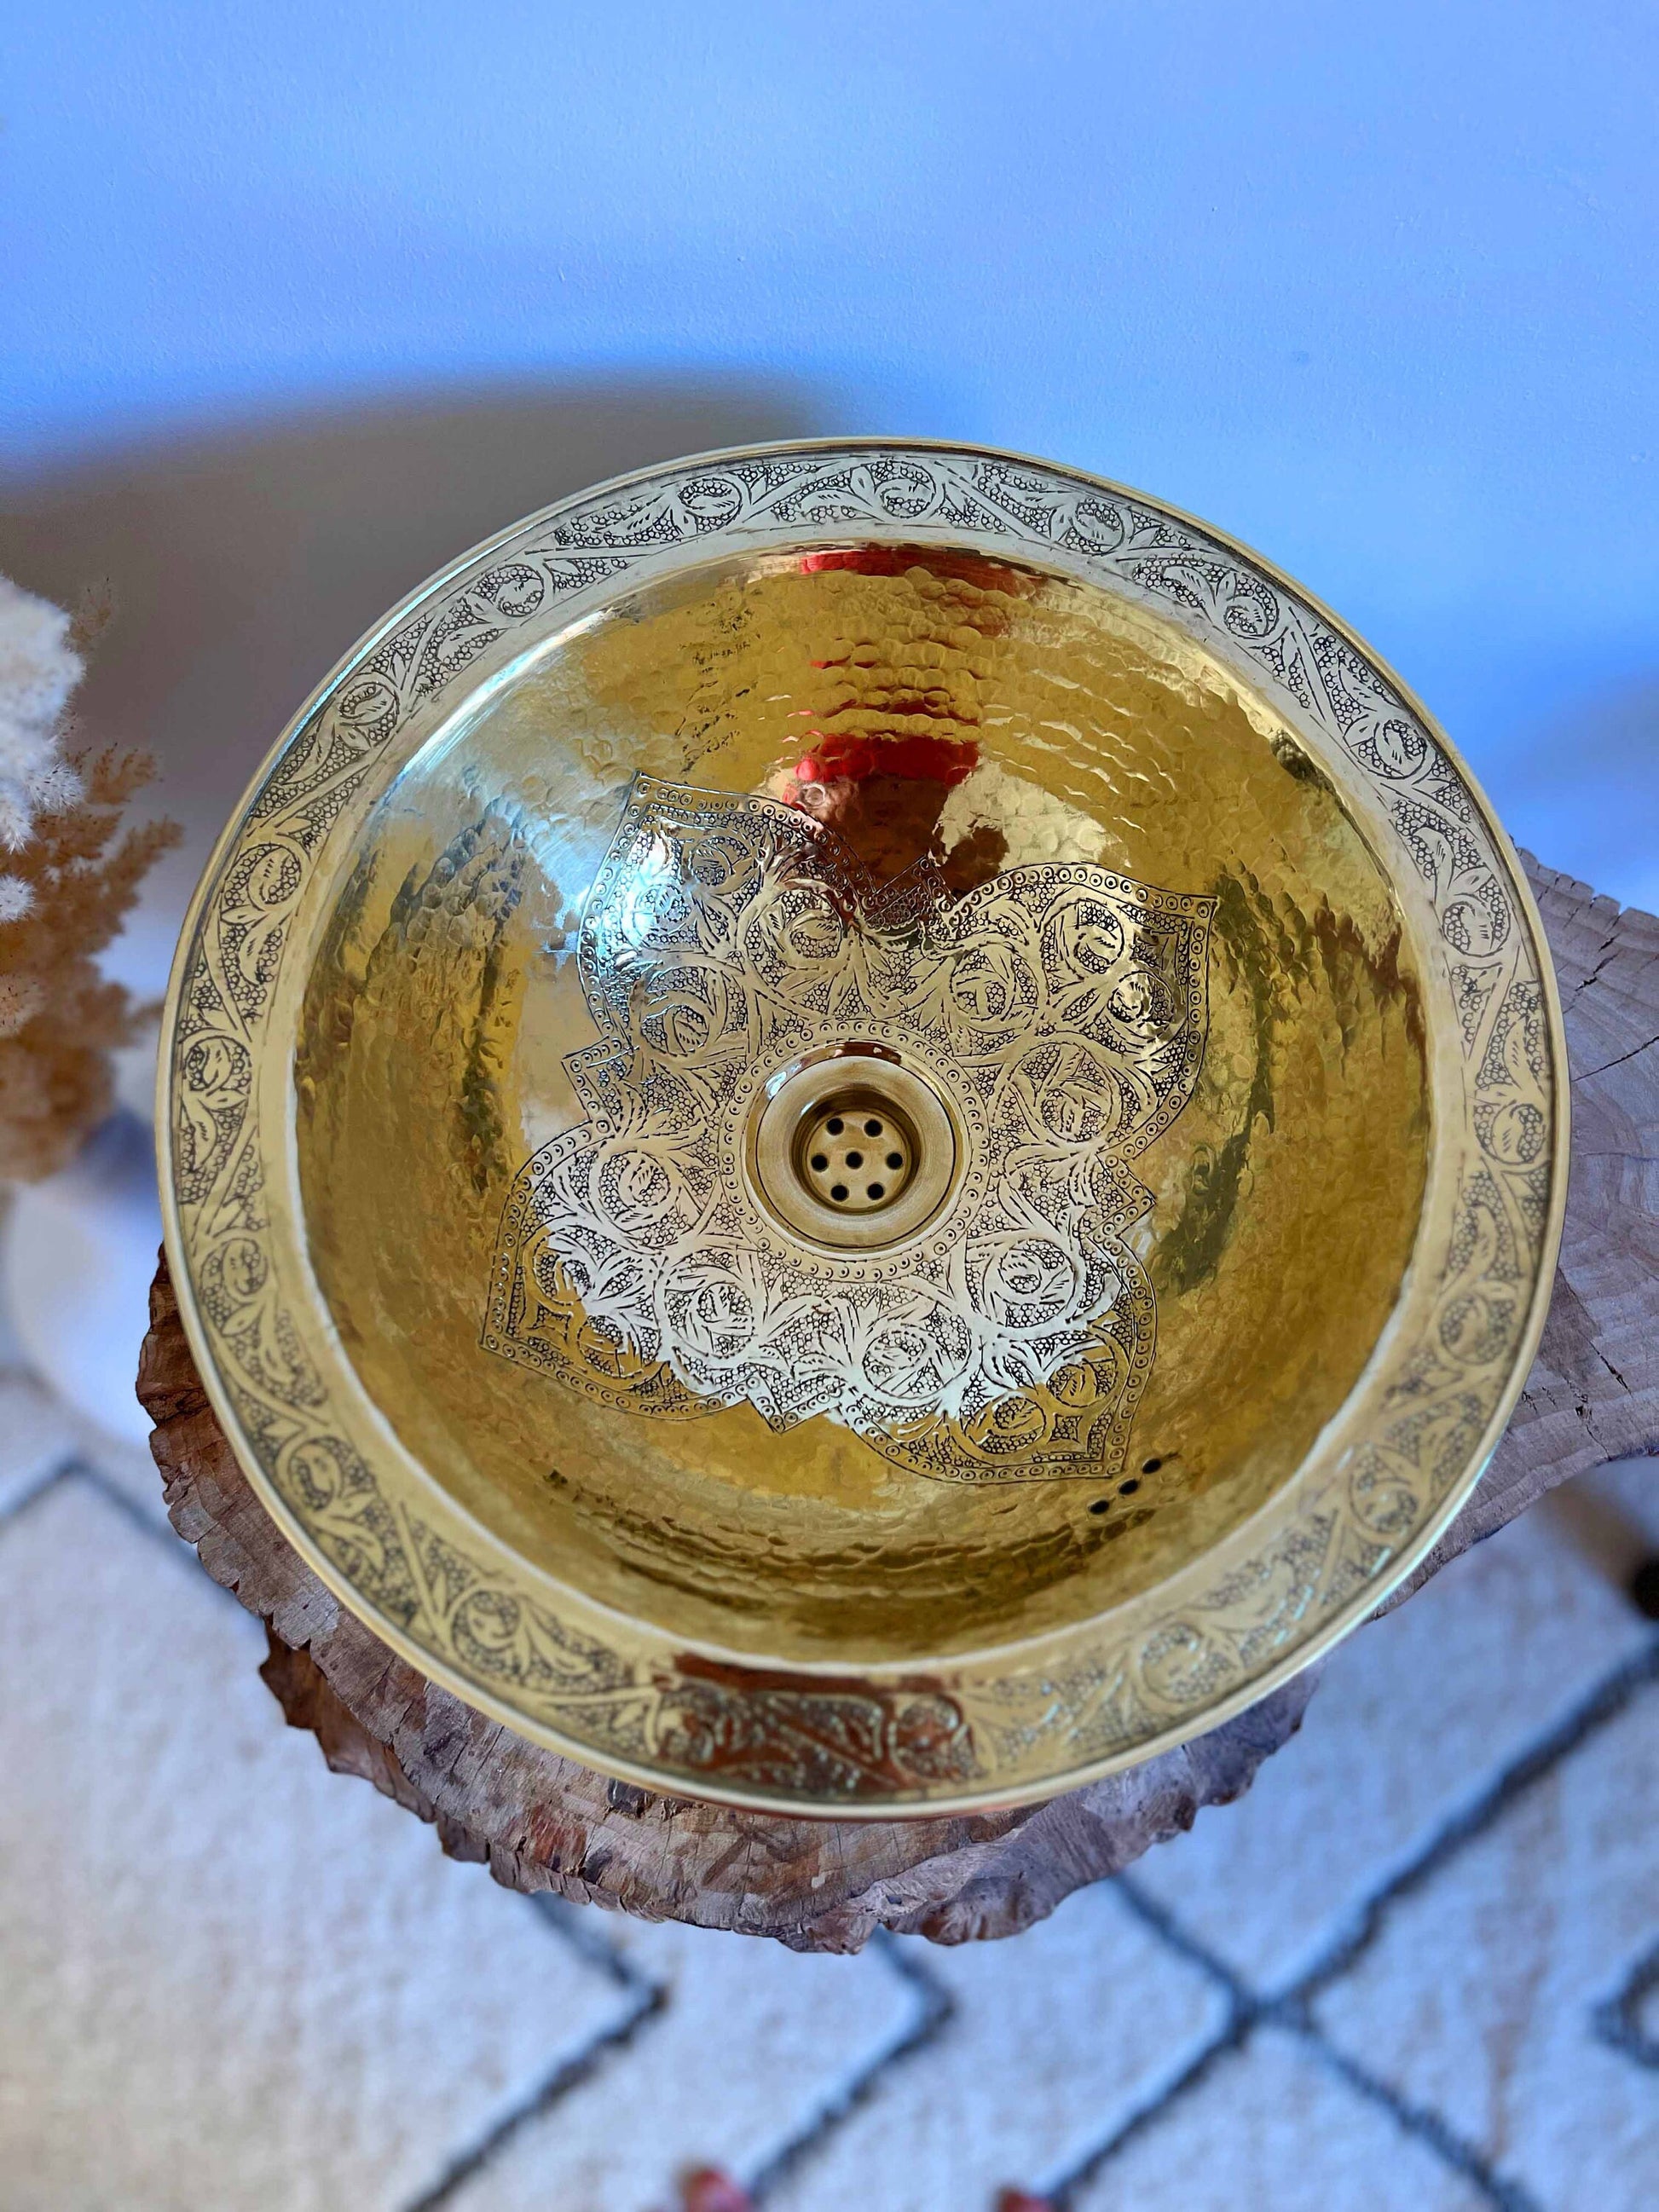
{"type": "Point", "coordinates": [969, 1734]}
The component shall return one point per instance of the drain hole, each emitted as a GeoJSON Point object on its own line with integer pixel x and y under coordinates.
{"type": "Point", "coordinates": [857, 1156]}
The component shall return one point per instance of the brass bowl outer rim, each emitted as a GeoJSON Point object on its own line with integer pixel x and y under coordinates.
{"type": "Point", "coordinates": [1335, 1623]}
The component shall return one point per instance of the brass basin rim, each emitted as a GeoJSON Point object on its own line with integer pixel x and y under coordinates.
{"type": "Point", "coordinates": [1319, 1625]}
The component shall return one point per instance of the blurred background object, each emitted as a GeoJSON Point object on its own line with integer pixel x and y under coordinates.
{"type": "Point", "coordinates": [76, 1254]}
{"type": "Point", "coordinates": [78, 1232]}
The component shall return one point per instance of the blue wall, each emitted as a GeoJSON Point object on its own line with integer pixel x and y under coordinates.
{"type": "Point", "coordinates": [1372, 287]}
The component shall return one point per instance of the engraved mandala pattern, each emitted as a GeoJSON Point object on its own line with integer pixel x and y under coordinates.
{"type": "Point", "coordinates": [1063, 1008]}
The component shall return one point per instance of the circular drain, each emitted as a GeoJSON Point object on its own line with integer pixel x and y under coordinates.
{"type": "Point", "coordinates": [852, 1148]}
{"type": "Point", "coordinates": [856, 1154]}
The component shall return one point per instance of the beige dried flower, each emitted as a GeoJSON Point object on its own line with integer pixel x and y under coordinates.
{"type": "Point", "coordinates": [68, 878]}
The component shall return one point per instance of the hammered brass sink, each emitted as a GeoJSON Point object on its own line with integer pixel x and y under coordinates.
{"type": "Point", "coordinates": [862, 1127]}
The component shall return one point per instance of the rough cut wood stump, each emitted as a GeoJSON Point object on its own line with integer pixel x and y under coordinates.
{"type": "Point", "coordinates": [541, 1822]}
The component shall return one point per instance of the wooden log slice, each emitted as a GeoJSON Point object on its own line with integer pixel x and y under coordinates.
{"type": "Point", "coordinates": [539, 1822]}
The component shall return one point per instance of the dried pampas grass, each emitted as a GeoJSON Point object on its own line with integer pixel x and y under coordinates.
{"type": "Point", "coordinates": [68, 878]}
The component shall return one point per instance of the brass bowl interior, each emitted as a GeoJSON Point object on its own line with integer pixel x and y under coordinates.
{"type": "Point", "coordinates": [443, 997]}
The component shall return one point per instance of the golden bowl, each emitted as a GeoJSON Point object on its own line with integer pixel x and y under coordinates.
{"type": "Point", "coordinates": [862, 1128]}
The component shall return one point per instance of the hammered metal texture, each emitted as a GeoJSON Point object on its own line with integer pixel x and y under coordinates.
{"type": "Point", "coordinates": [1192, 922]}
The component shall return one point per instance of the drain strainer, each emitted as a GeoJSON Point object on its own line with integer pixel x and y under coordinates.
{"type": "Point", "coordinates": [852, 1148]}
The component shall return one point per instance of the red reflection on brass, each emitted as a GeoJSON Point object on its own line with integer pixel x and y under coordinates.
{"type": "Point", "coordinates": [836, 759]}
{"type": "Point", "coordinates": [882, 785]}
{"type": "Point", "coordinates": [945, 566]}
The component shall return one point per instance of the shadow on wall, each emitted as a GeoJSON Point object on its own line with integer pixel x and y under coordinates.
{"type": "Point", "coordinates": [1583, 792]}
{"type": "Point", "coordinates": [241, 565]}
